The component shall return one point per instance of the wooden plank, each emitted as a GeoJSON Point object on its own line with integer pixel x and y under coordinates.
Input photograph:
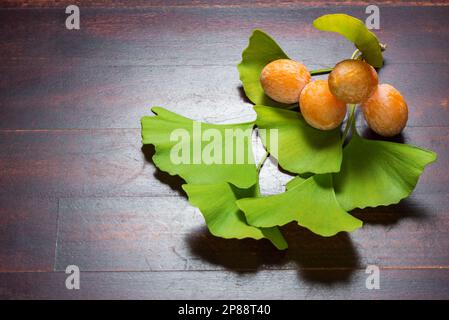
{"type": "Point", "coordinates": [27, 233]}
{"type": "Point", "coordinates": [90, 97]}
{"type": "Point", "coordinates": [209, 36]}
{"type": "Point", "coordinates": [73, 163]}
{"type": "Point", "coordinates": [109, 74]}
{"type": "Point", "coordinates": [156, 234]}
{"type": "Point", "coordinates": [60, 97]}
{"type": "Point", "coordinates": [422, 85]}
{"type": "Point", "coordinates": [225, 285]}
{"type": "Point", "coordinates": [70, 103]}
{"type": "Point", "coordinates": [86, 163]}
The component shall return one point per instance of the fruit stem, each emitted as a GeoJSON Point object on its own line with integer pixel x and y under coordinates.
{"type": "Point", "coordinates": [320, 71]}
{"type": "Point", "coordinates": [355, 53]}
{"type": "Point", "coordinates": [350, 122]}
{"type": "Point", "coordinates": [262, 161]}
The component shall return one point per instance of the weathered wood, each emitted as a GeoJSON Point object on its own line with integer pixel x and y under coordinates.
{"type": "Point", "coordinates": [76, 188]}
{"type": "Point", "coordinates": [27, 232]}
{"type": "Point", "coordinates": [155, 234]}
{"type": "Point", "coordinates": [108, 74]}
{"type": "Point", "coordinates": [107, 97]}
{"type": "Point", "coordinates": [203, 3]}
{"type": "Point", "coordinates": [85, 163]}
{"type": "Point", "coordinates": [213, 36]}
{"type": "Point", "coordinates": [36, 97]}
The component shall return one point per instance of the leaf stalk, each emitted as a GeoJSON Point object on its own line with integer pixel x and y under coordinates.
{"type": "Point", "coordinates": [350, 123]}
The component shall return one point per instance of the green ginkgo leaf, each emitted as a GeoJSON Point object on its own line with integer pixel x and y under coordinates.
{"type": "Point", "coordinates": [298, 147]}
{"type": "Point", "coordinates": [312, 204]}
{"type": "Point", "coordinates": [296, 181]}
{"type": "Point", "coordinates": [375, 173]}
{"type": "Point", "coordinates": [261, 50]}
{"type": "Point", "coordinates": [201, 153]}
{"type": "Point", "coordinates": [223, 218]}
{"type": "Point", "coordinates": [355, 31]}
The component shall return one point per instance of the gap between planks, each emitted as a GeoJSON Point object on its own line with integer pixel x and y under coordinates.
{"type": "Point", "coordinates": [56, 130]}
{"type": "Point", "coordinates": [387, 268]}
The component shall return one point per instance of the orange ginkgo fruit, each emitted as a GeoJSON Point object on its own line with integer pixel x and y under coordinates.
{"type": "Point", "coordinates": [319, 107]}
{"type": "Point", "coordinates": [283, 80]}
{"type": "Point", "coordinates": [353, 81]}
{"type": "Point", "coordinates": [386, 111]}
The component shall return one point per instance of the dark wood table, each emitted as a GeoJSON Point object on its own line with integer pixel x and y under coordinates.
{"type": "Point", "coordinates": [76, 186]}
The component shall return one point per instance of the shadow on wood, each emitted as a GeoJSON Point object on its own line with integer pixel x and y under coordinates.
{"type": "Point", "coordinates": [310, 253]}
{"type": "Point", "coordinates": [325, 260]}
{"type": "Point", "coordinates": [391, 215]}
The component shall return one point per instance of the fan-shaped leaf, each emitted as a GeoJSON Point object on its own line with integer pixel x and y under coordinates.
{"type": "Point", "coordinates": [223, 217]}
{"type": "Point", "coordinates": [299, 147]}
{"type": "Point", "coordinates": [261, 50]}
{"type": "Point", "coordinates": [311, 203]}
{"type": "Point", "coordinates": [296, 181]}
{"type": "Point", "coordinates": [182, 149]}
{"type": "Point", "coordinates": [375, 173]}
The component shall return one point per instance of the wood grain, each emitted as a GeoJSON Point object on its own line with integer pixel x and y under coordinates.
{"type": "Point", "coordinates": [203, 3]}
{"type": "Point", "coordinates": [99, 97]}
{"type": "Point", "coordinates": [51, 97]}
{"type": "Point", "coordinates": [27, 232]}
{"type": "Point", "coordinates": [394, 284]}
{"type": "Point", "coordinates": [215, 36]}
{"type": "Point", "coordinates": [156, 234]}
{"type": "Point", "coordinates": [108, 74]}
{"type": "Point", "coordinates": [110, 162]}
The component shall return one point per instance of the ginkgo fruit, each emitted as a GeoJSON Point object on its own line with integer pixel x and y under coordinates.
{"type": "Point", "coordinates": [386, 111]}
{"type": "Point", "coordinates": [319, 107]}
{"type": "Point", "coordinates": [353, 81]}
{"type": "Point", "coordinates": [283, 80]}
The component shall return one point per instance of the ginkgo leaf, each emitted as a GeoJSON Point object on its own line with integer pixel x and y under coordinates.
{"type": "Point", "coordinates": [223, 218]}
{"type": "Point", "coordinates": [201, 153]}
{"type": "Point", "coordinates": [261, 50]}
{"type": "Point", "coordinates": [298, 147]}
{"type": "Point", "coordinates": [294, 182]}
{"type": "Point", "coordinates": [355, 31]}
{"type": "Point", "coordinates": [312, 204]}
{"type": "Point", "coordinates": [375, 173]}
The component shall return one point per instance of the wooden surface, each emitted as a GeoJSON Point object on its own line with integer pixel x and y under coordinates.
{"type": "Point", "coordinates": [76, 186]}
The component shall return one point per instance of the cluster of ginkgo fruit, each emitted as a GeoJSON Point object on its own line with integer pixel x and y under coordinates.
{"type": "Point", "coordinates": [323, 102]}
